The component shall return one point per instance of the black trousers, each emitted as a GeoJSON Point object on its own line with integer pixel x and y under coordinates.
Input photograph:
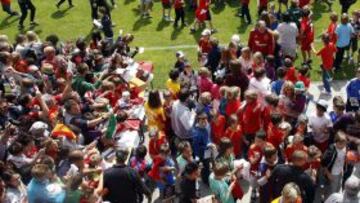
{"type": "Point", "coordinates": [339, 57]}
{"type": "Point", "coordinates": [24, 7]}
{"type": "Point", "coordinates": [245, 12]}
{"type": "Point", "coordinates": [179, 15]}
{"type": "Point", "coordinates": [62, 1]}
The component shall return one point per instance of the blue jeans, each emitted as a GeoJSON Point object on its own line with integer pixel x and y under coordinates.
{"type": "Point", "coordinates": [325, 79]}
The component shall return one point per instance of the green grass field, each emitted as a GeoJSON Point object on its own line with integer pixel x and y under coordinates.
{"type": "Point", "coordinates": [74, 22]}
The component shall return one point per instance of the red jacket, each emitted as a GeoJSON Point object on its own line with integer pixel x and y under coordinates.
{"type": "Point", "coordinates": [251, 117]}
{"type": "Point", "coordinates": [274, 135]}
{"type": "Point", "coordinates": [236, 138]}
{"type": "Point", "coordinates": [262, 42]}
{"type": "Point", "coordinates": [218, 128]}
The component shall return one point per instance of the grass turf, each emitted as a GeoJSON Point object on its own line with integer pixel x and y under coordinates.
{"type": "Point", "coordinates": [68, 24]}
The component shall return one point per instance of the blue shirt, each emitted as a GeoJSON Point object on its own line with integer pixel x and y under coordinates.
{"type": "Point", "coordinates": [344, 33]}
{"type": "Point", "coordinates": [200, 140]}
{"type": "Point", "coordinates": [353, 89]}
{"type": "Point", "coordinates": [276, 86]}
{"type": "Point", "coordinates": [38, 191]}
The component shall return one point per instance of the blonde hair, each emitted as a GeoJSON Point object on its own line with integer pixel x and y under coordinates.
{"type": "Point", "coordinates": [223, 90]}
{"type": "Point", "coordinates": [203, 71]}
{"type": "Point", "coordinates": [39, 171]}
{"type": "Point", "coordinates": [291, 192]}
{"type": "Point", "coordinates": [235, 91]}
{"type": "Point", "coordinates": [32, 36]}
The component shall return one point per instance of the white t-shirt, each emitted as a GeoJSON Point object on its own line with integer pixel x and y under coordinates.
{"type": "Point", "coordinates": [262, 87]}
{"type": "Point", "coordinates": [245, 64]}
{"type": "Point", "coordinates": [338, 166]}
{"type": "Point", "coordinates": [318, 125]}
{"type": "Point", "coordinates": [287, 34]}
{"type": "Point", "coordinates": [73, 171]}
{"type": "Point", "coordinates": [19, 161]}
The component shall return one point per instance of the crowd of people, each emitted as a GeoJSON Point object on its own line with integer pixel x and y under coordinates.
{"type": "Point", "coordinates": [241, 118]}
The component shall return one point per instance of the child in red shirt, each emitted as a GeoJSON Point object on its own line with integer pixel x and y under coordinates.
{"type": "Point", "coordinates": [306, 34]}
{"type": "Point", "coordinates": [157, 138]}
{"type": "Point", "coordinates": [275, 135]}
{"type": "Point", "coordinates": [255, 152]}
{"type": "Point", "coordinates": [297, 144]}
{"type": "Point", "coordinates": [332, 27]}
{"type": "Point", "coordinates": [217, 124]}
{"type": "Point", "coordinates": [303, 75]}
{"type": "Point", "coordinates": [291, 74]}
{"type": "Point", "coordinates": [327, 58]}
{"type": "Point", "coordinates": [234, 133]}
{"type": "Point", "coordinates": [205, 83]}
{"type": "Point", "coordinates": [232, 101]}
{"type": "Point", "coordinates": [271, 106]}
{"type": "Point", "coordinates": [250, 116]}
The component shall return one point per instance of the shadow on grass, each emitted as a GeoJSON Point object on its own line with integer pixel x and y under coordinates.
{"type": "Point", "coordinates": [243, 26]}
{"type": "Point", "coordinates": [141, 22]}
{"type": "Point", "coordinates": [60, 13]}
{"type": "Point", "coordinates": [162, 24]}
{"type": "Point", "coordinates": [318, 9]}
{"type": "Point", "coordinates": [36, 29]}
{"type": "Point", "coordinates": [233, 3]}
{"type": "Point", "coordinates": [177, 31]}
{"type": "Point", "coordinates": [88, 36]}
{"type": "Point", "coordinates": [346, 71]}
{"type": "Point", "coordinates": [218, 7]}
{"type": "Point", "coordinates": [7, 22]}
{"type": "Point", "coordinates": [128, 2]}
{"type": "Point", "coordinates": [136, 11]}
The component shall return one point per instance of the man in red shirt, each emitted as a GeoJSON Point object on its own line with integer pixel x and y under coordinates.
{"type": "Point", "coordinates": [6, 6]}
{"type": "Point", "coordinates": [261, 39]}
{"type": "Point", "coordinates": [327, 57]}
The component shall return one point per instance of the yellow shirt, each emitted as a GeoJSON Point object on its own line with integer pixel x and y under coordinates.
{"type": "Point", "coordinates": [173, 87]}
{"type": "Point", "coordinates": [277, 200]}
{"type": "Point", "coordinates": [156, 117]}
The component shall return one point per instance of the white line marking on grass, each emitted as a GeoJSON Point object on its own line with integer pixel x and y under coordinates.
{"type": "Point", "coordinates": [170, 47]}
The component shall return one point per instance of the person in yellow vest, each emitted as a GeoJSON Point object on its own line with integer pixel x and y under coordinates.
{"type": "Point", "coordinates": [290, 194]}
{"type": "Point", "coordinates": [154, 111]}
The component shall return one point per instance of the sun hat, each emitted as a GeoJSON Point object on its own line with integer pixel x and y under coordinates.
{"type": "Point", "coordinates": [299, 86]}
{"type": "Point", "coordinates": [180, 54]}
{"type": "Point", "coordinates": [206, 32]}
{"type": "Point", "coordinates": [322, 103]}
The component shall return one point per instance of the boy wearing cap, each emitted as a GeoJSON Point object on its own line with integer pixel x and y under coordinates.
{"type": "Point", "coordinates": [320, 125]}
